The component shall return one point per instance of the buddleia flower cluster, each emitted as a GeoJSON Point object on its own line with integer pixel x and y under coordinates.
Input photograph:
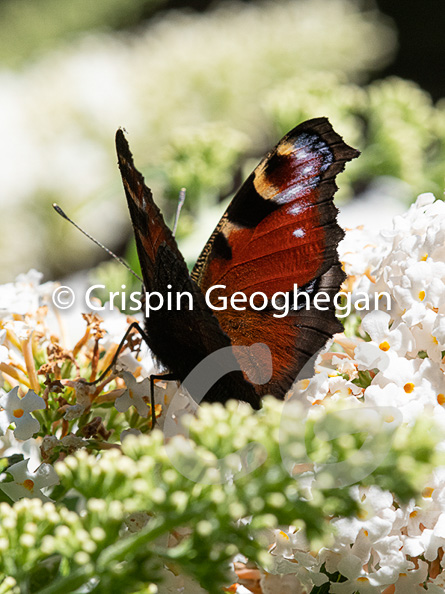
{"type": "Point", "coordinates": [337, 489]}
{"type": "Point", "coordinates": [391, 358]}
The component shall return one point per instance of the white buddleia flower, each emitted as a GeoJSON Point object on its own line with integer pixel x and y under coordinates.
{"type": "Point", "coordinates": [29, 484]}
{"type": "Point", "coordinates": [134, 395]}
{"type": "Point", "coordinates": [18, 411]}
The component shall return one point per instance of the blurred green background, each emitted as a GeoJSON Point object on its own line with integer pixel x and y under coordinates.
{"type": "Point", "coordinates": [203, 89]}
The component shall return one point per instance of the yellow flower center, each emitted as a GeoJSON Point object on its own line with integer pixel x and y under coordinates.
{"type": "Point", "coordinates": [441, 399]}
{"type": "Point", "coordinates": [18, 412]}
{"type": "Point", "coordinates": [413, 514]}
{"type": "Point", "coordinates": [424, 257]}
{"type": "Point", "coordinates": [409, 387]}
{"type": "Point", "coordinates": [384, 346]}
{"type": "Point", "coordinates": [28, 484]}
{"type": "Point", "coordinates": [427, 492]}
{"type": "Point", "coordinates": [421, 295]}
{"type": "Point", "coordinates": [362, 579]}
{"type": "Point", "coordinates": [284, 535]}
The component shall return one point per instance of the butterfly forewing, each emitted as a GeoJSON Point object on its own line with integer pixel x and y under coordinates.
{"type": "Point", "coordinates": [179, 338]}
{"type": "Point", "coordinates": [280, 230]}
{"type": "Point", "coordinates": [281, 227]}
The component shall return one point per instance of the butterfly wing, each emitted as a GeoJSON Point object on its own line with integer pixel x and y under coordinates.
{"type": "Point", "coordinates": [179, 338]}
{"type": "Point", "coordinates": [279, 230]}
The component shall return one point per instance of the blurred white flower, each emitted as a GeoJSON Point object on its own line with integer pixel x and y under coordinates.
{"type": "Point", "coordinates": [396, 337]}
{"type": "Point", "coordinates": [437, 585]}
{"type": "Point", "coordinates": [21, 330]}
{"type": "Point", "coordinates": [412, 386]}
{"type": "Point", "coordinates": [25, 295]}
{"type": "Point", "coordinates": [29, 484]}
{"type": "Point", "coordinates": [18, 410]}
{"type": "Point", "coordinates": [134, 395]}
{"type": "Point", "coordinates": [174, 400]}
{"type": "Point", "coordinates": [424, 337]}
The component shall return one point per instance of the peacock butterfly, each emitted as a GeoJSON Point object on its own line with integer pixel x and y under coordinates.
{"type": "Point", "coordinates": [279, 230]}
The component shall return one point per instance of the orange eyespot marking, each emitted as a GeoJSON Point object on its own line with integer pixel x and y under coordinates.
{"type": "Point", "coordinates": [384, 346]}
{"type": "Point", "coordinates": [28, 484]}
{"type": "Point", "coordinates": [408, 387]}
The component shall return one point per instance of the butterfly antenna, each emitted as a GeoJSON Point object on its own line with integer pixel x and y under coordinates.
{"type": "Point", "coordinates": [101, 245]}
{"type": "Point", "coordinates": [181, 201]}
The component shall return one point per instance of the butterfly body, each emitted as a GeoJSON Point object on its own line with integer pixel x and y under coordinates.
{"type": "Point", "coordinates": [279, 231]}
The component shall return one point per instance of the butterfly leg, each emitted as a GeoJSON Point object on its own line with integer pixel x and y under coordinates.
{"type": "Point", "coordinates": [161, 376]}
{"type": "Point", "coordinates": [164, 376]}
{"type": "Point", "coordinates": [132, 326]}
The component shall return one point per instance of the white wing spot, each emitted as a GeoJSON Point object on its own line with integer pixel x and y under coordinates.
{"type": "Point", "coordinates": [290, 194]}
{"type": "Point", "coordinates": [295, 209]}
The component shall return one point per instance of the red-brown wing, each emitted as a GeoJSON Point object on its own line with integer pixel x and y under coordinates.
{"type": "Point", "coordinates": [148, 223]}
{"type": "Point", "coordinates": [279, 230]}
{"type": "Point", "coordinates": [179, 338]}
